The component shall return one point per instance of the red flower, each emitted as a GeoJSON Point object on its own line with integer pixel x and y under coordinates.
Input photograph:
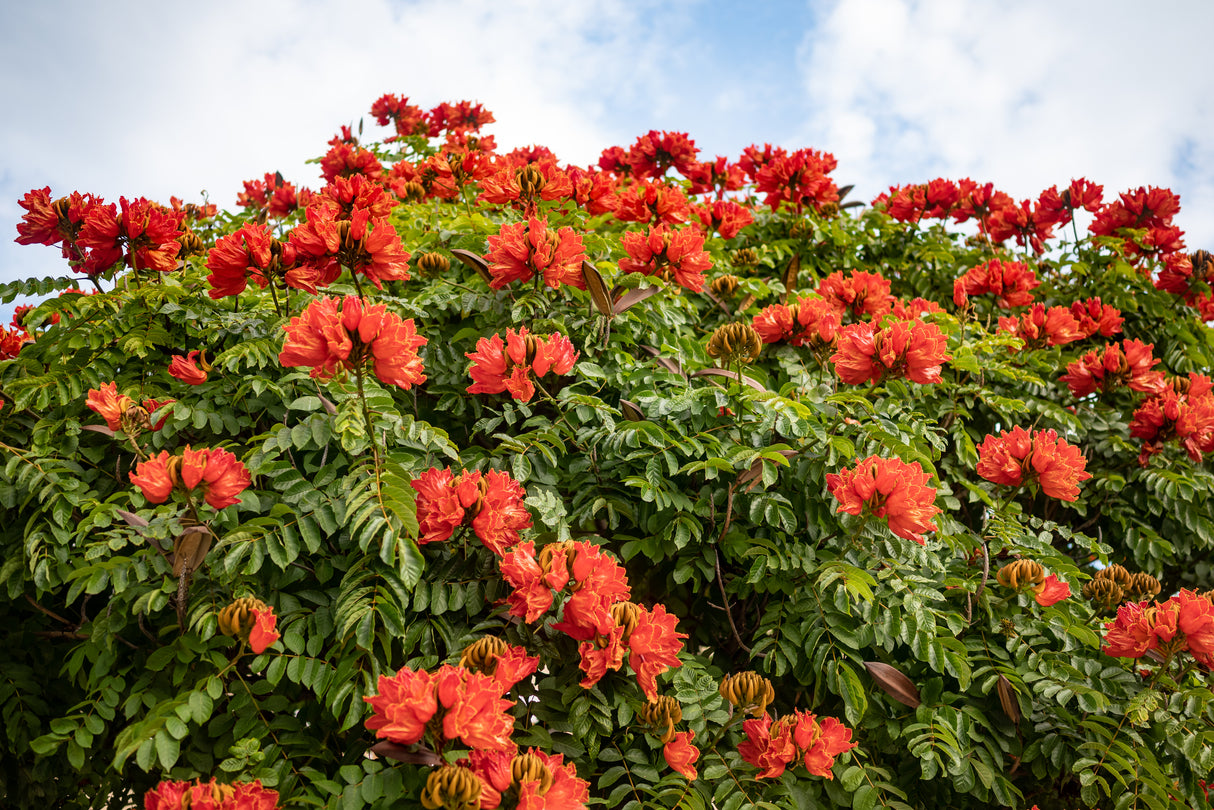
{"type": "Point", "coordinates": [326, 244]}
{"type": "Point", "coordinates": [1182, 410]}
{"type": "Point", "coordinates": [523, 250]}
{"type": "Point", "coordinates": [808, 321]}
{"type": "Point", "coordinates": [186, 370]}
{"type": "Point", "coordinates": [568, 791]}
{"type": "Point", "coordinates": [331, 341]}
{"type": "Point", "coordinates": [532, 594]}
{"type": "Point", "coordinates": [221, 475]}
{"type": "Point", "coordinates": [345, 159]}
{"type": "Point", "coordinates": [666, 253]}
{"type": "Point", "coordinates": [655, 152]}
{"type": "Point", "coordinates": [149, 232]}
{"type": "Point", "coordinates": [681, 755]}
{"type": "Point", "coordinates": [1040, 327]}
{"type": "Point", "coordinates": [107, 403]}
{"type": "Point", "coordinates": [911, 349]}
{"type": "Point", "coordinates": [913, 309]}
{"type": "Point", "coordinates": [769, 747]}
{"type": "Point", "coordinates": [445, 501]}
{"type": "Point", "coordinates": [1059, 207]}
{"type": "Point", "coordinates": [1051, 591]}
{"type": "Point", "coordinates": [800, 179]}
{"type": "Point", "coordinates": [1138, 628]}
{"type": "Point", "coordinates": [888, 488]}
{"type": "Point", "coordinates": [654, 647]}
{"type": "Point", "coordinates": [1127, 364]}
{"type": "Point", "coordinates": [405, 704]}
{"type": "Point", "coordinates": [593, 191]}
{"type": "Point", "coordinates": [475, 711]}
{"type": "Point", "coordinates": [1195, 618]}
{"type": "Point", "coordinates": [859, 295]}
{"type": "Point", "coordinates": [1093, 316]}
{"type": "Point", "coordinates": [1009, 281]}
{"type": "Point", "coordinates": [725, 217]}
{"type": "Point", "coordinates": [603, 653]}
{"type": "Point", "coordinates": [199, 795]}
{"type": "Point", "coordinates": [153, 477]}
{"type": "Point", "coordinates": [717, 176]}
{"type": "Point", "coordinates": [499, 366]}
{"type": "Point", "coordinates": [821, 742]}
{"type": "Point", "coordinates": [1018, 456]}
{"type": "Point", "coordinates": [645, 201]}
{"type": "Point", "coordinates": [521, 183]}
{"type": "Point", "coordinates": [263, 633]}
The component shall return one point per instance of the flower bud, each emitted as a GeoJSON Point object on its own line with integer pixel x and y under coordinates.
{"type": "Point", "coordinates": [661, 715]}
{"type": "Point", "coordinates": [482, 654]}
{"type": "Point", "coordinates": [735, 343]}
{"type": "Point", "coordinates": [1021, 573]}
{"type": "Point", "coordinates": [530, 768]}
{"type": "Point", "coordinates": [433, 264]}
{"type": "Point", "coordinates": [237, 618]}
{"type": "Point", "coordinates": [748, 691]}
{"type": "Point", "coordinates": [724, 286]}
{"type": "Point", "coordinates": [452, 788]}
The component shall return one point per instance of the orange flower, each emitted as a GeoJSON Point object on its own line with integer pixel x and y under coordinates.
{"type": "Point", "coordinates": [1182, 410]}
{"type": "Point", "coordinates": [888, 488]}
{"type": "Point", "coordinates": [502, 514]}
{"type": "Point", "coordinates": [1040, 327]}
{"type": "Point", "coordinates": [220, 473]}
{"type": "Point", "coordinates": [681, 755]}
{"type": "Point", "coordinates": [210, 795]}
{"type": "Point", "coordinates": [107, 403]}
{"type": "Point", "coordinates": [499, 366]}
{"type": "Point", "coordinates": [603, 653]}
{"type": "Point", "coordinates": [532, 596]}
{"type": "Point", "coordinates": [1139, 628]}
{"type": "Point", "coordinates": [911, 349]}
{"type": "Point", "coordinates": [1093, 316]}
{"type": "Point", "coordinates": [1195, 618]}
{"type": "Point", "coordinates": [1051, 591]}
{"type": "Point", "coordinates": [654, 647]}
{"type": "Point", "coordinates": [1127, 364]}
{"type": "Point", "coordinates": [769, 747]}
{"type": "Point", "coordinates": [1019, 456]}
{"type": "Point", "coordinates": [811, 321]}
{"type": "Point", "coordinates": [667, 253]}
{"type": "Point", "coordinates": [1010, 282]}
{"type": "Point", "coordinates": [186, 369]}
{"type": "Point", "coordinates": [331, 341]}
{"type": "Point", "coordinates": [495, 499]}
{"type": "Point", "coordinates": [475, 711]}
{"type": "Point", "coordinates": [362, 244]}
{"type": "Point", "coordinates": [405, 704]}
{"type": "Point", "coordinates": [821, 742]}
{"type": "Point", "coordinates": [523, 250]}
{"type": "Point", "coordinates": [153, 478]}
{"type": "Point", "coordinates": [858, 295]}
{"type": "Point", "coordinates": [263, 633]}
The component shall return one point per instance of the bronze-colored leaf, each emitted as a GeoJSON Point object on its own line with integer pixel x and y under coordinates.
{"type": "Point", "coordinates": [733, 375]}
{"type": "Point", "coordinates": [895, 684]}
{"type": "Point", "coordinates": [474, 261]}
{"type": "Point", "coordinates": [131, 518]}
{"type": "Point", "coordinates": [756, 469]}
{"type": "Point", "coordinates": [632, 412]}
{"type": "Point", "coordinates": [1007, 699]}
{"type": "Point", "coordinates": [405, 753]}
{"type": "Point", "coordinates": [790, 277]}
{"type": "Point", "coordinates": [844, 191]}
{"type": "Point", "coordinates": [329, 407]}
{"type": "Point", "coordinates": [665, 362]}
{"type": "Point", "coordinates": [102, 429]}
{"type": "Point", "coordinates": [853, 204]}
{"type": "Point", "coordinates": [598, 290]}
{"type": "Point", "coordinates": [189, 549]}
{"type": "Point", "coordinates": [633, 297]}
{"type": "Point", "coordinates": [746, 303]}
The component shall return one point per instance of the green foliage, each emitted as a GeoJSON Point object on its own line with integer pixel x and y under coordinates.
{"type": "Point", "coordinates": [712, 493]}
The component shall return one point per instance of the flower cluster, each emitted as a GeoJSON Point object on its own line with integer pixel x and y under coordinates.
{"type": "Point", "coordinates": [453, 703]}
{"type": "Point", "coordinates": [523, 250]}
{"type": "Point", "coordinates": [773, 746]}
{"type": "Point", "coordinates": [499, 366]}
{"type": "Point", "coordinates": [1182, 410]}
{"type": "Point", "coordinates": [120, 412]}
{"type": "Point", "coordinates": [809, 321]}
{"type": "Point", "coordinates": [332, 340]}
{"type": "Point", "coordinates": [914, 350]}
{"type": "Point", "coordinates": [595, 612]}
{"type": "Point", "coordinates": [1183, 623]}
{"type": "Point", "coordinates": [1128, 364]}
{"type": "Point", "coordinates": [196, 795]}
{"type": "Point", "coordinates": [667, 254]}
{"type": "Point", "coordinates": [888, 488]}
{"type": "Point", "coordinates": [491, 502]}
{"type": "Point", "coordinates": [857, 296]}
{"type": "Point", "coordinates": [364, 244]}
{"type": "Point", "coordinates": [540, 781]}
{"type": "Point", "coordinates": [219, 474]}
{"type": "Point", "coordinates": [251, 254]}
{"type": "Point", "coordinates": [251, 620]}
{"type": "Point", "coordinates": [1041, 327]}
{"type": "Point", "coordinates": [1018, 457]}
{"type": "Point", "coordinates": [1029, 574]}
{"type": "Point", "coordinates": [1010, 282]}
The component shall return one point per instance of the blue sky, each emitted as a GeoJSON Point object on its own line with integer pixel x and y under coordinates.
{"type": "Point", "coordinates": [156, 98]}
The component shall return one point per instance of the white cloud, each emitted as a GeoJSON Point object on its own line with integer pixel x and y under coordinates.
{"type": "Point", "coordinates": [1025, 95]}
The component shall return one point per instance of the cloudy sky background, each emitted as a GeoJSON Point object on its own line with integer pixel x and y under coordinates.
{"type": "Point", "coordinates": [159, 98]}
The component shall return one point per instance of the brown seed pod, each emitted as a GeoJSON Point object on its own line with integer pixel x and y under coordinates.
{"type": "Point", "coordinates": [482, 654]}
{"type": "Point", "coordinates": [1104, 593]}
{"type": "Point", "coordinates": [724, 286]}
{"type": "Point", "coordinates": [748, 691]}
{"type": "Point", "coordinates": [452, 788]}
{"type": "Point", "coordinates": [1116, 573]}
{"type": "Point", "coordinates": [1142, 586]}
{"type": "Point", "coordinates": [662, 715]}
{"type": "Point", "coordinates": [237, 618]}
{"type": "Point", "coordinates": [530, 768]}
{"type": "Point", "coordinates": [1020, 573]}
{"type": "Point", "coordinates": [735, 343]}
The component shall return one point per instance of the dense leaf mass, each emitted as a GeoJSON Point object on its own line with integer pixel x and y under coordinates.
{"type": "Point", "coordinates": [477, 518]}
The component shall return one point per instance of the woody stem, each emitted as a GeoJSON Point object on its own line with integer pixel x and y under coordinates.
{"type": "Point", "coordinates": [362, 399]}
